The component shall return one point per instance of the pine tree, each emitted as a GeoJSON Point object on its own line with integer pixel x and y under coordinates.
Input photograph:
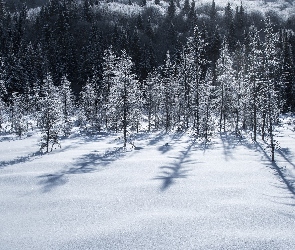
{"type": "Point", "coordinates": [153, 98]}
{"type": "Point", "coordinates": [67, 105]}
{"type": "Point", "coordinates": [207, 114]}
{"type": "Point", "coordinates": [110, 61]}
{"type": "Point", "coordinates": [186, 7]}
{"type": "Point", "coordinates": [168, 83]}
{"type": "Point", "coordinates": [171, 10]}
{"type": "Point", "coordinates": [255, 69]}
{"type": "Point", "coordinates": [186, 77]}
{"type": "Point", "coordinates": [287, 79]}
{"type": "Point", "coordinates": [3, 113]}
{"type": "Point", "coordinates": [197, 45]}
{"type": "Point", "coordinates": [49, 115]}
{"type": "Point", "coordinates": [124, 99]}
{"type": "Point", "coordinates": [243, 111]}
{"type": "Point", "coordinates": [270, 75]}
{"type": "Point", "coordinates": [3, 94]}
{"type": "Point", "coordinates": [229, 27]}
{"type": "Point", "coordinates": [226, 87]}
{"type": "Point", "coordinates": [18, 115]}
{"type": "Point", "coordinates": [90, 106]}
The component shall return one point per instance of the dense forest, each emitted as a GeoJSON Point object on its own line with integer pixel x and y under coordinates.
{"type": "Point", "coordinates": [168, 64]}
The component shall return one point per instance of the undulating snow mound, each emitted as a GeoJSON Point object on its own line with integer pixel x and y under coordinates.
{"type": "Point", "coordinates": [171, 191]}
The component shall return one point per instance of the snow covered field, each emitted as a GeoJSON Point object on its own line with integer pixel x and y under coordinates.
{"type": "Point", "coordinates": [171, 192]}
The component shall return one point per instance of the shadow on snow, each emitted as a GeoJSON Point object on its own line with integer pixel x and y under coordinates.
{"type": "Point", "coordinates": [21, 159]}
{"type": "Point", "coordinates": [88, 163]}
{"type": "Point", "coordinates": [279, 171]}
{"type": "Point", "coordinates": [176, 170]}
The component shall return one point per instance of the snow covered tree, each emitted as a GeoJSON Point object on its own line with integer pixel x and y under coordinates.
{"type": "Point", "coordinates": [110, 61]}
{"type": "Point", "coordinates": [287, 76]}
{"type": "Point", "coordinates": [67, 104]}
{"type": "Point", "coordinates": [90, 106]}
{"type": "Point", "coordinates": [186, 77]}
{"type": "Point", "coordinates": [207, 114]}
{"type": "Point", "coordinates": [18, 115]}
{"type": "Point", "coordinates": [168, 83]}
{"type": "Point", "coordinates": [153, 98]}
{"type": "Point", "coordinates": [243, 108]}
{"type": "Point", "coordinates": [197, 46]}
{"type": "Point", "coordinates": [124, 100]}
{"type": "Point", "coordinates": [271, 81]}
{"type": "Point", "coordinates": [255, 69]}
{"type": "Point", "coordinates": [226, 85]}
{"type": "Point", "coordinates": [49, 115]}
{"type": "Point", "coordinates": [3, 94]}
{"type": "Point", "coordinates": [3, 112]}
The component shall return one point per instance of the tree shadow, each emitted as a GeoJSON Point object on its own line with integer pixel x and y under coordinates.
{"type": "Point", "coordinates": [157, 139]}
{"type": "Point", "coordinates": [280, 172]}
{"type": "Point", "coordinates": [287, 155]}
{"type": "Point", "coordinates": [176, 170]}
{"type": "Point", "coordinates": [165, 148]}
{"type": "Point", "coordinates": [229, 143]}
{"type": "Point", "coordinates": [20, 159]}
{"type": "Point", "coordinates": [205, 144]}
{"type": "Point", "coordinates": [169, 145]}
{"type": "Point", "coordinates": [88, 163]}
{"type": "Point", "coordinates": [7, 138]}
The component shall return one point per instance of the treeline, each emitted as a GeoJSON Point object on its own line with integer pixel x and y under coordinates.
{"type": "Point", "coordinates": [189, 68]}
{"type": "Point", "coordinates": [68, 37]}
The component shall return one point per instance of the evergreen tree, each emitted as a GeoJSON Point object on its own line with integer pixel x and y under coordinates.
{"type": "Point", "coordinates": [171, 10]}
{"type": "Point", "coordinates": [67, 105]}
{"type": "Point", "coordinates": [124, 99]}
{"type": "Point", "coordinates": [186, 77]}
{"type": "Point", "coordinates": [229, 27]}
{"type": "Point", "coordinates": [287, 76]}
{"type": "Point", "coordinates": [272, 87]}
{"type": "Point", "coordinates": [110, 61]}
{"type": "Point", "coordinates": [49, 115]}
{"type": "Point", "coordinates": [226, 88]}
{"type": "Point", "coordinates": [3, 114]}
{"type": "Point", "coordinates": [153, 98]}
{"type": "Point", "coordinates": [3, 94]}
{"type": "Point", "coordinates": [18, 118]}
{"type": "Point", "coordinates": [168, 83]}
{"type": "Point", "coordinates": [198, 46]}
{"type": "Point", "coordinates": [207, 113]}
{"type": "Point", "coordinates": [186, 7]}
{"type": "Point", "coordinates": [255, 69]}
{"type": "Point", "coordinates": [90, 106]}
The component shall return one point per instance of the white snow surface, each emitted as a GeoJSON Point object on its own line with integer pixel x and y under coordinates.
{"type": "Point", "coordinates": [170, 192]}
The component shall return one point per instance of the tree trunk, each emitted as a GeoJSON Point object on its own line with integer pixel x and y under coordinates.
{"type": "Point", "coordinates": [263, 125]}
{"type": "Point", "coordinates": [125, 115]}
{"type": "Point", "coordinates": [272, 145]}
{"type": "Point", "coordinates": [254, 114]}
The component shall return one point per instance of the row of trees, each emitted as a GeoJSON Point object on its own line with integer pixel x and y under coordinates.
{"type": "Point", "coordinates": [245, 90]}
{"type": "Point", "coordinates": [105, 68]}
{"type": "Point", "coordinates": [69, 37]}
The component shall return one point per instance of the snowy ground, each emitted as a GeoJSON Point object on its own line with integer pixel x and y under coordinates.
{"type": "Point", "coordinates": [170, 192]}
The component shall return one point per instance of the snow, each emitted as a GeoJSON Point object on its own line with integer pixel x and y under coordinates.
{"type": "Point", "coordinates": [284, 9]}
{"type": "Point", "coordinates": [172, 191]}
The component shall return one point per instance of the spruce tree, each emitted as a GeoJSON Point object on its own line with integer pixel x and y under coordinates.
{"type": "Point", "coordinates": [124, 100]}
{"type": "Point", "coordinates": [18, 118]}
{"type": "Point", "coordinates": [49, 115]}
{"type": "Point", "coordinates": [67, 105]}
{"type": "Point", "coordinates": [226, 87]}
